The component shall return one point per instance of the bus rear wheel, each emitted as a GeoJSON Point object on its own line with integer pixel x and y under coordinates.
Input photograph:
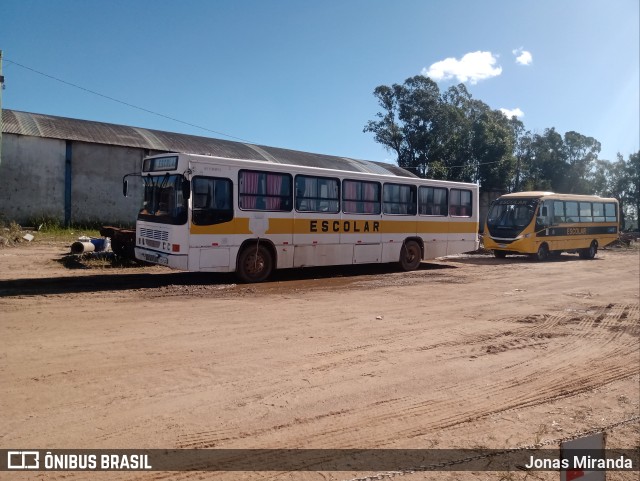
{"type": "Point", "coordinates": [542, 254]}
{"type": "Point", "coordinates": [255, 264]}
{"type": "Point", "coordinates": [590, 252]}
{"type": "Point", "coordinates": [410, 256]}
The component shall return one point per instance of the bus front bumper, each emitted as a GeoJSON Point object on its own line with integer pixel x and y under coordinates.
{"type": "Point", "coordinates": [173, 261]}
{"type": "Point", "coordinates": [520, 245]}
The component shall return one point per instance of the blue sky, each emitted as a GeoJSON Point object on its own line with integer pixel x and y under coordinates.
{"type": "Point", "coordinates": [300, 74]}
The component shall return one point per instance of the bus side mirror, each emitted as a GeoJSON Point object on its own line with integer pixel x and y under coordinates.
{"type": "Point", "coordinates": [544, 211]}
{"type": "Point", "coordinates": [186, 189]}
{"type": "Point", "coordinates": [125, 187]}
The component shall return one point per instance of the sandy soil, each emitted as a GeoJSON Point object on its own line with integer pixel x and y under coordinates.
{"type": "Point", "coordinates": [466, 352]}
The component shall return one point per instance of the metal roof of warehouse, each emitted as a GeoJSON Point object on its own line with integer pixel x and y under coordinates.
{"type": "Point", "coordinates": [49, 126]}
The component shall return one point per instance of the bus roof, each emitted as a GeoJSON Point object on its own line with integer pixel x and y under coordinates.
{"type": "Point", "coordinates": [535, 194]}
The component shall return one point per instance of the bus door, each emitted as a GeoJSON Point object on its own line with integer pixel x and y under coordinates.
{"type": "Point", "coordinates": [462, 226]}
{"type": "Point", "coordinates": [317, 224]}
{"type": "Point", "coordinates": [361, 221]}
{"type": "Point", "coordinates": [212, 226]}
{"type": "Point", "coordinates": [433, 223]}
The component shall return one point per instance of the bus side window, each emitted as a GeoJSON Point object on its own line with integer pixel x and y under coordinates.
{"type": "Point", "coordinates": [270, 191]}
{"type": "Point", "coordinates": [361, 197]}
{"type": "Point", "coordinates": [212, 201]}
{"type": "Point", "coordinates": [585, 212]}
{"type": "Point", "coordinates": [558, 212]}
{"type": "Point", "coordinates": [460, 203]}
{"type": "Point", "coordinates": [544, 211]}
{"type": "Point", "coordinates": [317, 194]}
{"type": "Point", "coordinates": [598, 212]}
{"type": "Point", "coordinates": [571, 210]}
{"type": "Point", "coordinates": [399, 199]}
{"type": "Point", "coordinates": [610, 212]}
{"type": "Point", "coordinates": [432, 201]}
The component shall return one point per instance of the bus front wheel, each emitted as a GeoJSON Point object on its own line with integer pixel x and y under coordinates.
{"type": "Point", "coordinates": [499, 254]}
{"type": "Point", "coordinates": [410, 256]}
{"type": "Point", "coordinates": [590, 252]}
{"type": "Point", "coordinates": [255, 263]}
{"type": "Point", "coordinates": [542, 254]}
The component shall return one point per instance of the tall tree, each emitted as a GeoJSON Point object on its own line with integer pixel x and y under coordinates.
{"type": "Point", "coordinates": [443, 136]}
{"type": "Point", "coordinates": [521, 152]}
{"type": "Point", "coordinates": [581, 154]}
{"type": "Point", "coordinates": [407, 122]}
{"type": "Point", "coordinates": [633, 173]}
{"type": "Point", "coordinates": [547, 165]}
{"type": "Point", "coordinates": [493, 142]}
{"type": "Point", "coordinates": [620, 179]}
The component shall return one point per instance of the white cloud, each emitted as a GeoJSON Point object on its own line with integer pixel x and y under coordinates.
{"type": "Point", "coordinates": [472, 67]}
{"type": "Point", "coordinates": [512, 112]}
{"type": "Point", "coordinates": [523, 57]}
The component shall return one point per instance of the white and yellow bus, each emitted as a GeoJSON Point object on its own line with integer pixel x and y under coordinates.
{"type": "Point", "coordinates": [545, 223]}
{"type": "Point", "coordinates": [215, 214]}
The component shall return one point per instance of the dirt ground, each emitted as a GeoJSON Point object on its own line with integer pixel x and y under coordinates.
{"type": "Point", "coordinates": [467, 352]}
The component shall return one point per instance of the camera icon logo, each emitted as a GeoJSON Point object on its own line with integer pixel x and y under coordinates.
{"type": "Point", "coordinates": [23, 460]}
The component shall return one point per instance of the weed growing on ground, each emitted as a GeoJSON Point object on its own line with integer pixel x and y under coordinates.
{"type": "Point", "coordinates": [98, 260]}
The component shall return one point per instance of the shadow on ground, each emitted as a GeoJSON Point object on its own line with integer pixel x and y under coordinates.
{"type": "Point", "coordinates": [105, 281]}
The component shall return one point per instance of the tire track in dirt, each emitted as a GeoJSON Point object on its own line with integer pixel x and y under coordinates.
{"type": "Point", "coordinates": [611, 330]}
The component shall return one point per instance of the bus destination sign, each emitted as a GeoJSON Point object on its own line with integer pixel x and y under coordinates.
{"type": "Point", "coordinates": [159, 164]}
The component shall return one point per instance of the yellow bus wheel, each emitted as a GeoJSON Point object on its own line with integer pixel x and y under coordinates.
{"type": "Point", "coordinates": [499, 254]}
{"type": "Point", "coordinates": [542, 254]}
{"type": "Point", "coordinates": [590, 252]}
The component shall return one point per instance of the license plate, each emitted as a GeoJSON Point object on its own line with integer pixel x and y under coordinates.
{"type": "Point", "coordinates": [157, 259]}
{"type": "Point", "coordinates": [502, 245]}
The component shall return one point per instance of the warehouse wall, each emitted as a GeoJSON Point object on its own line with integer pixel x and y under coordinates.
{"type": "Point", "coordinates": [96, 187]}
{"type": "Point", "coordinates": [33, 186]}
{"type": "Point", "coordinates": [31, 178]}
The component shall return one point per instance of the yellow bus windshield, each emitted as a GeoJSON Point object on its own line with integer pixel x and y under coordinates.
{"type": "Point", "coordinates": [508, 217]}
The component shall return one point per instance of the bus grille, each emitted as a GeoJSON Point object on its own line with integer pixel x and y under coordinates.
{"type": "Point", "coordinates": [154, 234]}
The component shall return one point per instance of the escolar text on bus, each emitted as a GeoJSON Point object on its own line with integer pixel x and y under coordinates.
{"type": "Point", "coordinates": [344, 226]}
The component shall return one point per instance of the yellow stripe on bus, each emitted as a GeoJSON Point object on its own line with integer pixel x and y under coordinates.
{"type": "Point", "coordinates": [240, 225]}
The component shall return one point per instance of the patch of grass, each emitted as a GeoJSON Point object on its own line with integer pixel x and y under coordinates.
{"type": "Point", "coordinates": [52, 230]}
{"type": "Point", "coordinates": [46, 229]}
{"type": "Point", "coordinates": [65, 234]}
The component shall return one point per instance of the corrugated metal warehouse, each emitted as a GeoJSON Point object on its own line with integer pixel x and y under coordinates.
{"type": "Point", "coordinates": [71, 170]}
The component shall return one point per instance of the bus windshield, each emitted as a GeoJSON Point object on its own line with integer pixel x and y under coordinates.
{"type": "Point", "coordinates": [163, 200]}
{"type": "Point", "coordinates": [508, 217]}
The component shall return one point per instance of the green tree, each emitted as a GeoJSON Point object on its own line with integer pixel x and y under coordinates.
{"type": "Point", "coordinates": [493, 144]}
{"type": "Point", "coordinates": [620, 179]}
{"type": "Point", "coordinates": [633, 195]}
{"type": "Point", "coordinates": [521, 152]}
{"type": "Point", "coordinates": [407, 122]}
{"type": "Point", "coordinates": [450, 135]}
{"type": "Point", "coordinates": [445, 135]}
{"type": "Point", "coordinates": [581, 154]}
{"type": "Point", "coordinates": [546, 163]}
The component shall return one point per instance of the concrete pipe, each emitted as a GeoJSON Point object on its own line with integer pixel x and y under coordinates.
{"type": "Point", "coordinates": [82, 247]}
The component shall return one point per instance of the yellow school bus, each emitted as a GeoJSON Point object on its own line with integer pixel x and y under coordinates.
{"type": "Point", "coordinates": [545, 223]}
